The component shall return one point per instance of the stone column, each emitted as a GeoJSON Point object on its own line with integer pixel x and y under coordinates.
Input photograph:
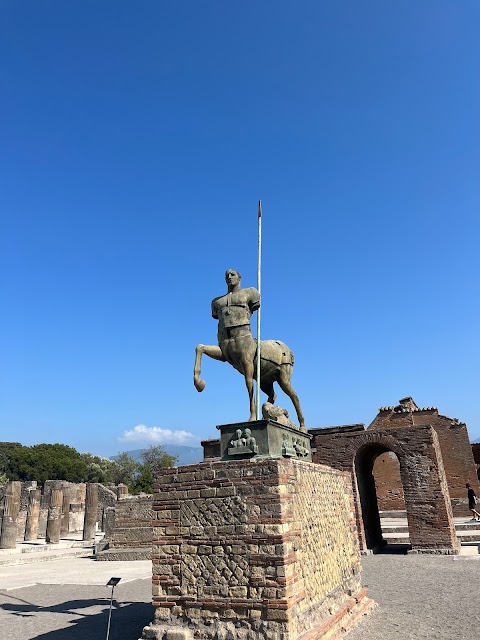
{"type": "Point", "coordinates": [67, 499]}
{"type": "Point", "coordinates": [54, 521]}
{"type": "Point", "coordinates": [33, 513]}
{"type": "Point", "coordinates": [8, 539]}
{"type": "Point", "coordinates": [122, 491]}
{"type": "Point", "coordinates": [91, 506]}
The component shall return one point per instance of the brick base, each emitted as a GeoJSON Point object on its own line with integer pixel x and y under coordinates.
{"type": "Point", "coordinates": [255, 549]}
{"type": "Point", "coordinates": [333, 628]}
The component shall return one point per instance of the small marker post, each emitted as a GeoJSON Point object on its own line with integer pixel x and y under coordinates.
{"type": "Point", "coordinates": [111, 583]}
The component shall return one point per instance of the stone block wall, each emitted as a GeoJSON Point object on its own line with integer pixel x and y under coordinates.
{"type": "Point", "coordinates": [254, 548]}
{"type": "Point", "coordinates": [133, 523]}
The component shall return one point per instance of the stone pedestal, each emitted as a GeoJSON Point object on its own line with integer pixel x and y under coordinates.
{"type": "Point", "coordinates": [260, 548]}
{"type": "Point", "coordinates": [263, 439]}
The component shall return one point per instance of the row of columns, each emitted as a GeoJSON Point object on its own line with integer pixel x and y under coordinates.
{"type": "Point", "coordinates": [57, 519]}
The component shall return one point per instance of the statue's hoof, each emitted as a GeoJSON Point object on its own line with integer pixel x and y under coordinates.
{"type": "Point", "coordinates": [302, 428]}
{"type": "Point", "coordinates": [200, 384]}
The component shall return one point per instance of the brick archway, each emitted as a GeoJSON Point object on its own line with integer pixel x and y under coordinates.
{"type": "Point", "coordinates": [427, 500]}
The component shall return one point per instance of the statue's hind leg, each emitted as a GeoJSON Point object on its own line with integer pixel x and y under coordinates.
{"type": "Point", "coordinates": [267, 387]}
{"type": "Point", "coordinates": [248, 373]}
{"type": "Point", "coordinates": [286, 387]}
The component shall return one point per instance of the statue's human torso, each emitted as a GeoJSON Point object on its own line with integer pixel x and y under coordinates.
{"type": "Point", "coordinates": [235, 309]}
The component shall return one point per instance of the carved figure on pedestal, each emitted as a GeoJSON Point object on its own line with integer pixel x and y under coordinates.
{"type": "Point", "coordinates": [301, 451]}
{"type": "Point", "coordinates": [237, 346]}
{"type": "Point", "coordinates": [243, 442]}
{"type": "Point", "coordinates": [280, 415]}
{"type": "Point", "coordinates": [239, 441]}
{"type": "Point", "coordinates": [249, 439]}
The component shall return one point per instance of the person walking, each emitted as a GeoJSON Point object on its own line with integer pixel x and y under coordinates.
{"type": "Point", "coordinates": [472, 502]}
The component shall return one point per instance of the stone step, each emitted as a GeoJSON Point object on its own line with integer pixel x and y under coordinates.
{"type": "Point", "coordinates": [126, 554]}
{"type": "Point", "coordinates": [468, 537]}
{"type": "Point", "coordinates": [460, 529]}
{"type": "Point", "coordinates": [393, 514]}
{"type": "Point", "coordinates": [45, 556]}
{"type": "Point", "coordinates": [40, 547]}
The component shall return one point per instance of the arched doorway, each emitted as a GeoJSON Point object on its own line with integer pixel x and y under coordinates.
{"type": "Point", "coordinates": [427, 501]}
{"type": "Point", "coordinates": [371, 460]}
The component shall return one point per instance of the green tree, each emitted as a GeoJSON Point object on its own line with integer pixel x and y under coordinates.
{"type": "Point", "coordinates": [125, 470]}
{"type": "Point", "coordinates": [157, 458]}
{"type": "Point", "coordinates": [46, 462]}
{"type": "Point", "coordinates": [6, 449]}
{"type": "Point", "coordinates": [98, 469]}
{"type": "Point", "coordinates": [154, 458]}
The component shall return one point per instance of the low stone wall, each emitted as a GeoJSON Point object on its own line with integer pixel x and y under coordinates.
{"type": "Point", "coordinates": [133, 523]}
{"type": "Point", "coordinates": [128, 530]}
{"type": "Point", "coordinates": [254, 548]}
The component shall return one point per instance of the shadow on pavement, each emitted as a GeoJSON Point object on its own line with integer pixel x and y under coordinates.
{"type": "Point", "coordinates": [393, 549]}
{"type": "Point", "coordinates": [128, 619]}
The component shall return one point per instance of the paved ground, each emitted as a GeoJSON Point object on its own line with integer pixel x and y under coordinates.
{"type": "Point", "coordinates": [418, 597]}
{"type": "Point", "coordinates": [67, 600]}
{"type": "Point", "coordinates": [421, 597]}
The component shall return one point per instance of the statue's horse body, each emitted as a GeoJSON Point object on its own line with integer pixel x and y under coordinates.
{"type": "Point", "coordinates": [239, 348]}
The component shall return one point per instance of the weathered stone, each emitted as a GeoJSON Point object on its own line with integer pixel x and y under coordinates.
{"type": "Point", "coordinates": [33, 513]}
{"type": "Point", "coordinates": [91, 506]}
{"type": "Point", "coordinates": [270, 580]}
{"type": "Point", "coordinates": [54, 520]}
{"type": "Point", "coordinates": [8, 538]}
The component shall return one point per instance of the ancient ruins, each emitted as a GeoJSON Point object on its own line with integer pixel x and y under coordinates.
{"type": "Point", "coordinates": [57, 510]}
{"type": "Point", "coordinates": [264, 537]}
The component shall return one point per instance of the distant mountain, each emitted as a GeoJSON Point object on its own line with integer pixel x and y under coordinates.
{"type": "Point", "coordinates": [477, 441]}
{"type": "Point", "coordinates": [186, 455]}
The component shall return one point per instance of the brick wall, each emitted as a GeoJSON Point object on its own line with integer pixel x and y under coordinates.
{"type": "Point", "coordinates": [454, 444]}
{"type": "Point", "coordinates": [429, 511]}
{"type": "Point", "coordinates": [264, 548]}
{"type": "Point", "coordinates": [386, 471]}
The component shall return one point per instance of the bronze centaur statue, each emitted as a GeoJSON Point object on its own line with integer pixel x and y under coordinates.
{"type": "Point", "coordinates": [237, 346]}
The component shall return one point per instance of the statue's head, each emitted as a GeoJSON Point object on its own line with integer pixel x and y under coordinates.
{"type": "Point", "coordinates": [248, 433]}
{"type": "Point", "coordinates": [238, 433]}
{"type": "Point", "coordinates": [232, 277]}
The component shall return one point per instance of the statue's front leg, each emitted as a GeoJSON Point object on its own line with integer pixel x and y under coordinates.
{"type": "Point", "coordinates": [212, 351]}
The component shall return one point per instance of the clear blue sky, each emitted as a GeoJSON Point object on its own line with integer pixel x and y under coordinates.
{"type": "Point", "coordinates": [136, 139]}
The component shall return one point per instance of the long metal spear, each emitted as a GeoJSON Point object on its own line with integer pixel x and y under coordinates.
{"type": "Point", "coordinates": [259, 283]}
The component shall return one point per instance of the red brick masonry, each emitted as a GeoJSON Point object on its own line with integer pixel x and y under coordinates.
{"type": "Point", "coordinates": [267, 545]}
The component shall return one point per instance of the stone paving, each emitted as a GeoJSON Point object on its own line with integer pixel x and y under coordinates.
{"type": "Point", "coordinates": [421, 597]}
{"type": "Point", "coordinates": [67, 599]}
{"type": "Point", "coordinates": [418, 597]}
